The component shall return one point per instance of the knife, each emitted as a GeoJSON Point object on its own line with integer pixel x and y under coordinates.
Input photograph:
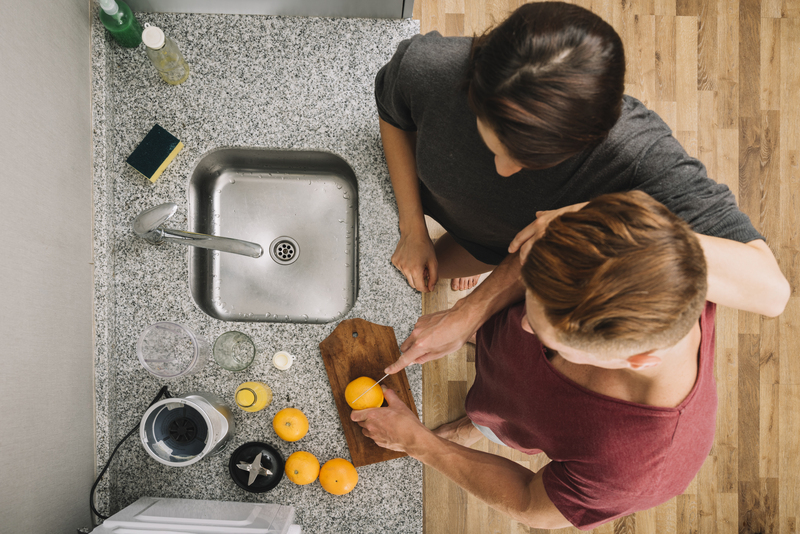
{"type": "Point", "coordinates": [369, 388]}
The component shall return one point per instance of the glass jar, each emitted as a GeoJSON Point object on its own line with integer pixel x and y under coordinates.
{"type": "Point", "coordinates": [253, 396]}
{"type": "Point", "coordinates": [164, 54]}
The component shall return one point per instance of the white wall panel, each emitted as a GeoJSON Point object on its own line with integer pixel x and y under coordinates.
{"type": "Point", "coordinates": [46, 357]}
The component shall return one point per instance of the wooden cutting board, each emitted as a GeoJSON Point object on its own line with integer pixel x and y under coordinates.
{"type": "Point", "coordinates": [360, 348]}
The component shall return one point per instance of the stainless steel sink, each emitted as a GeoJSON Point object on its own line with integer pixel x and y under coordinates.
{"type": "Point", "coordinates": [302, 208]}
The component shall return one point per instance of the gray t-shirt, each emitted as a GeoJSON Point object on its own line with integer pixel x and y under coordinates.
{"type": "Point", "coordinates": [421, 89]}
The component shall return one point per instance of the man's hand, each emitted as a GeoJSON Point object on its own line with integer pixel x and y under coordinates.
{"type": "Point", "coordinates": [435, 335]}
{"type": "Point", "coordinates": [438, 334]}
{"type": "Point", "coordinates": [415, 257]}
{"type": "Point", "coordinates": [525, 239]}
{"type": "Point", "coordinates": [394, 427]}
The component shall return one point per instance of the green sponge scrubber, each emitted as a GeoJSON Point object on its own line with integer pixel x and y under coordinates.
{"type": "Point", "coordinates": [155, 152]}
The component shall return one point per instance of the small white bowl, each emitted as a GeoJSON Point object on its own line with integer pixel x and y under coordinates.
{"type": "Point", "coordinates": [282, 360]}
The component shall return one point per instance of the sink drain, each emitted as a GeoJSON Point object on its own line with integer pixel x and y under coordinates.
{"type": "Point", "coordinates": [284, 250]}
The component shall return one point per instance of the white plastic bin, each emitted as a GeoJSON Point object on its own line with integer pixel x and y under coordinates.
{"type": "Point", "coordinates": [149, 515]}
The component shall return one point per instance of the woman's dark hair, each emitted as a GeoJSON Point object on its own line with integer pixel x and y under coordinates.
{"type": "Point", "coordinates": [548, 81]}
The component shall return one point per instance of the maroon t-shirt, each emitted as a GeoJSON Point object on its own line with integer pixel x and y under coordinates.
{"type": "Point", "coordinates": [610, 457]}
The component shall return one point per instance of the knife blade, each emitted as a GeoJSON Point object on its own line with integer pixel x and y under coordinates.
{"type": "Point", "coordinates": [369, 388]}
{"type": "Point", "coordinates": [254, 468]}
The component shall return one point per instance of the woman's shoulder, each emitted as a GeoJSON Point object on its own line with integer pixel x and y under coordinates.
{"type": "Point", "coordinates": [637, 119]}
{"type": "Point", "coordinates": [424, 79]}
{"type": "Point", "coordinates": [433, 45]}
{"type": "Point", "coordinates": [431, 57]}
{"type": "Point", "coordinates": [636, 131]}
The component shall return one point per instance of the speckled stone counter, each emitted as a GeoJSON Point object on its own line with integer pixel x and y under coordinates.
{"type": "Point", "coordinates": [282, 83]}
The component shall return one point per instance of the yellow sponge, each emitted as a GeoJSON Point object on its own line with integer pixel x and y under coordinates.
{"type": "Point", "coordinates": [155, 152]}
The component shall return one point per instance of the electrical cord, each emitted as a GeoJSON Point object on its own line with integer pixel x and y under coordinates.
{"type": "Point", "coordinates": [162, 392]}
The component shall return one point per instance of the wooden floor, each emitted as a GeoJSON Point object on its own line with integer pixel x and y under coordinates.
{"type": "Point", "coordinates": [725, 75]}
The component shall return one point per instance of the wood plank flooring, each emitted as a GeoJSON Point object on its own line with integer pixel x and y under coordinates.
{"type": "Point", "coordinates": [725, 75]}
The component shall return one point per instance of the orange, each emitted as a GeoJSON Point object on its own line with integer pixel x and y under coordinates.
{"type": "Point", "coordinates": [373, 398]}
{"type": "Point", "coordinates": [290, 424]}
{"type": "Point", "coordinates": [302, 468]}
{"type": "Point", "coordinates": [338, 476]}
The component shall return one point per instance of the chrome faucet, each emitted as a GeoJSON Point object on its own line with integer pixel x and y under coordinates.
{"type": "Point", "coordinates": [148, 226]}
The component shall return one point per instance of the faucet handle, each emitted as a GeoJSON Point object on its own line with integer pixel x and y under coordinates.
{"type": "Point", "coordinates": [147, 222]}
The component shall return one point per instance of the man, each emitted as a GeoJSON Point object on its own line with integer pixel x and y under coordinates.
{"type": "Point", "coordinates": [607, 367]}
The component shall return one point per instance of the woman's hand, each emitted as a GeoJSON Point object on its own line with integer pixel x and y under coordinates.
{"type": "Point", "coordinates": [525, 239]}
{"type": "Point", "coordinates": [415, 257]}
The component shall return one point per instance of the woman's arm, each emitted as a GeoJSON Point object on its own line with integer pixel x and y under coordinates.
{"type": "Point", "coordinates": [414, 256]}
{"type": "Point", "coordinates": [744, 276]}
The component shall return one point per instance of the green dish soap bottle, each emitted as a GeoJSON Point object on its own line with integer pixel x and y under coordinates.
{"type": "Point", "coordinates": [118, 19]}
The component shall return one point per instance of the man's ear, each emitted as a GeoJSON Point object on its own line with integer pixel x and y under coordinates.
{"type": "Point", "coordinates": [643, 361]}
{"type": "Point", "coordinates": [525, 324]}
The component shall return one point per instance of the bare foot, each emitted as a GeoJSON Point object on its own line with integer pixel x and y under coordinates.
{"type": "Point", "coordinates": [462, 284]}
{"type": "Point", "coordinates": [460, 431]}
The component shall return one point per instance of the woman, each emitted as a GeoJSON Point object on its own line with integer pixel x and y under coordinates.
{"type": "Point", "coordinates": [606, 366]}
{"type": "Point", "coordinates": [494, 136]}
{"type": "Point", "coordinates": [482, 133]}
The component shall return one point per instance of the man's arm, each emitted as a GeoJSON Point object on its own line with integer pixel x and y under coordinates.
{"type": "Point", "coordinates": [438, 334]}
{"type": "Point", "coordinates": [499, 482]}
{"type": "Point", "coordinates": [744, 276]}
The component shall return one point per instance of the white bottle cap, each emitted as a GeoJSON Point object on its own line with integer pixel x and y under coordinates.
{"type": "Point", "coordinates": [153, 37]}
{"type": "Point", "coordinates": [109, 6]}
{"type": "Point", "coordinates": [282, 360]}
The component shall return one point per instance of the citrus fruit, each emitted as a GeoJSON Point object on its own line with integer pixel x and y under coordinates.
{"type": "Point", "coordinates": [302, 468]}
{"type": "Point", "coordinates": [372, 399]}
{"type": "Point", "coordinates": [338, 476]}
{"type": "Point", "coordinates": [290, 424]}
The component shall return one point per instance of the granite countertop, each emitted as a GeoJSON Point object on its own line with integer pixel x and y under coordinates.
{"type": "Point", "coordinates": [256, 81]}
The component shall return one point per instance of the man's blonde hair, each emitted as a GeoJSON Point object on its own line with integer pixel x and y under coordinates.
{"type": "Point", "coordinates": [619, 277]}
